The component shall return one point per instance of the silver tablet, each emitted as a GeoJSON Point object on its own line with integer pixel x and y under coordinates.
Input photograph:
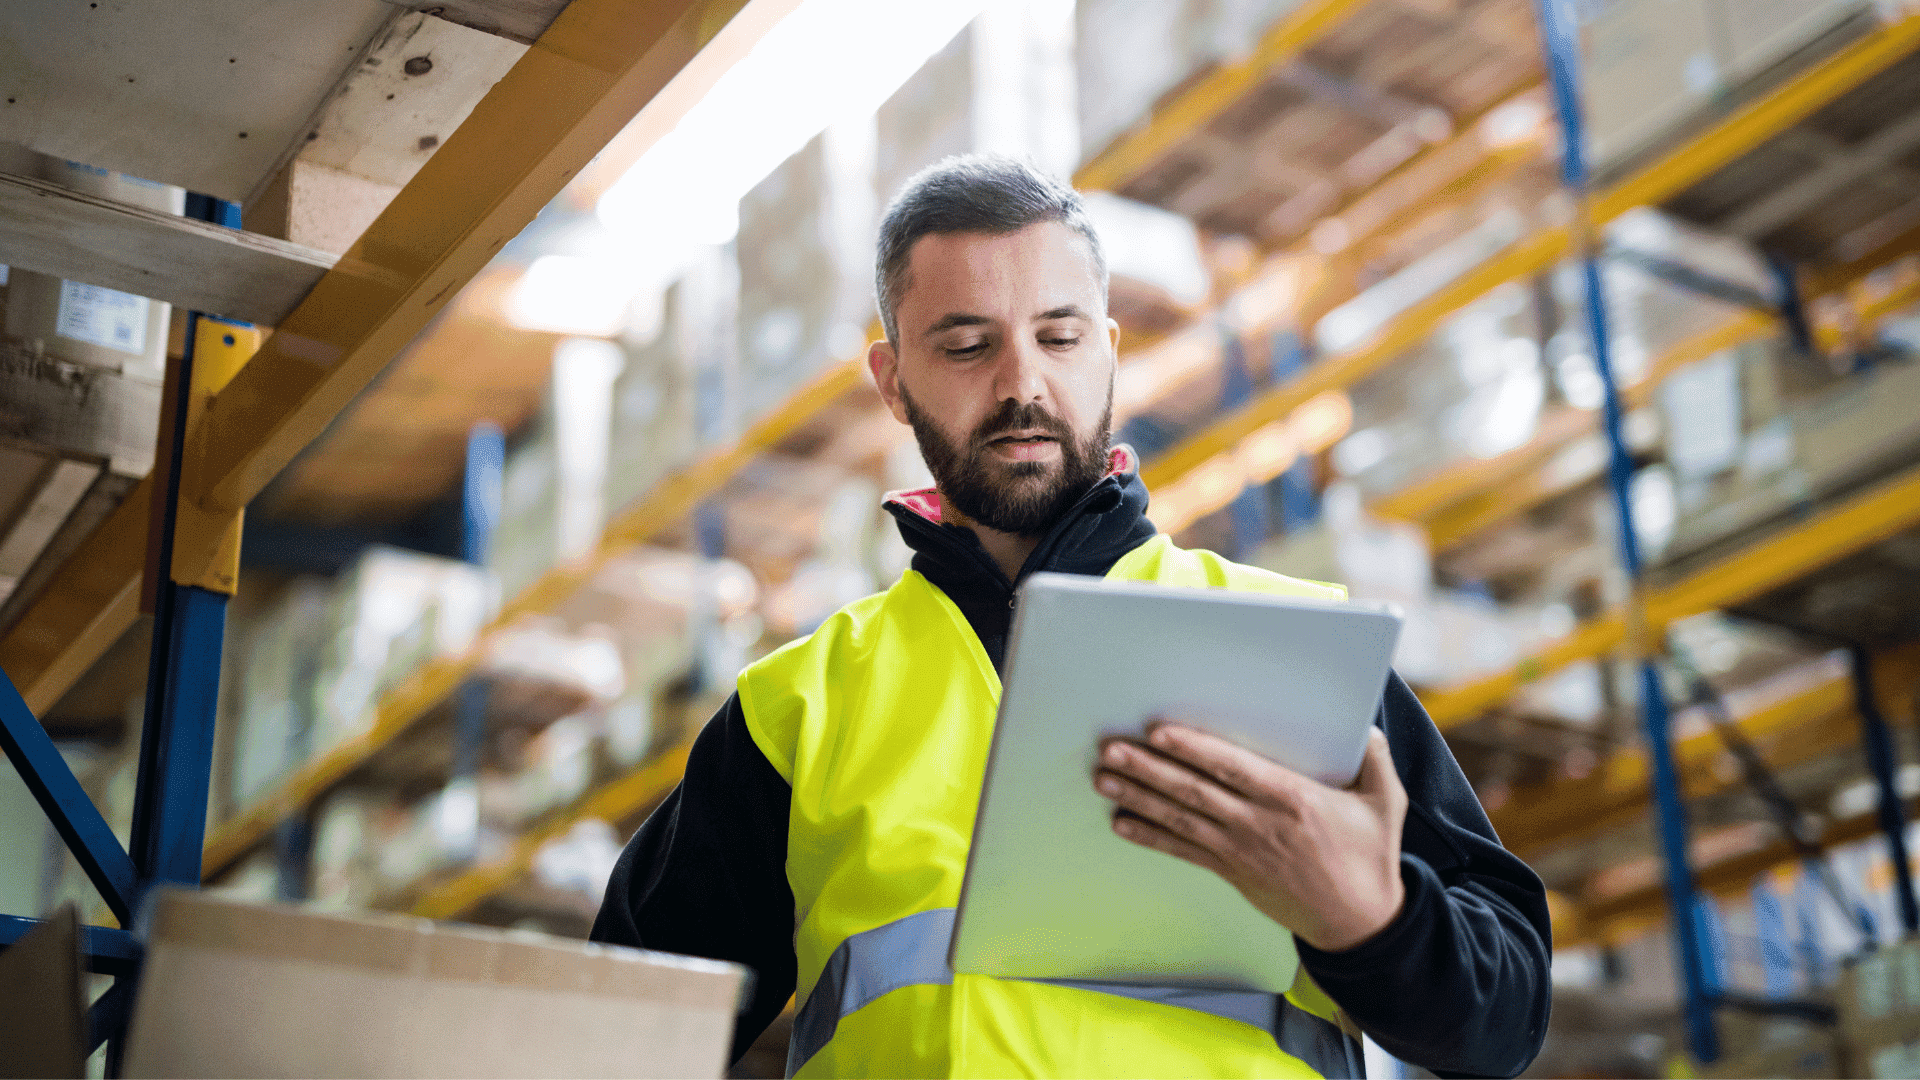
{"type": "Point", "coordinates": [1050, 891]}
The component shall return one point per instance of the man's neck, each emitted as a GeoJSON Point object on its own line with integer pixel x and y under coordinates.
{"type": "Point", "coordinates": [1008, 551]}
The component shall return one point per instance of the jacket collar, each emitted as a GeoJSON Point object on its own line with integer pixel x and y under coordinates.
{"type": "Point", "coordinates": [1106, 523]}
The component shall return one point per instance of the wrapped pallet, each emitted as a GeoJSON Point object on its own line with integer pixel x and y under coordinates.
{"type": "Point", "coordinates": [1131, 55]}
{"type": "Point", "coordinates": [673, 392]}
{"type": "Point", "coordinates": [552, 502]}
{"type": "Point", "coordinates": [805, 244]}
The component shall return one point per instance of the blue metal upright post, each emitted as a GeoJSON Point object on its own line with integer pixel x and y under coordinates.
{"type": "Point", "coordinates": [1880, 759]}
{"type": "Point", "coordinates": [183, 669]}
{"type": "Point", "coordinates": [1558, 30]}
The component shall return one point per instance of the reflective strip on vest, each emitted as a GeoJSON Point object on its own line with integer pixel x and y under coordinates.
{"type": "Point", "coordinates": [913, 952]}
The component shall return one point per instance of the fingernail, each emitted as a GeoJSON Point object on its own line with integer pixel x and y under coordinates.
{"type": "Point", "coordinates": [1107, 785]}
{"type": "Point", "coordinates": [1114, 755]}
{"type": "Point", "coordinates": [1161, 735]}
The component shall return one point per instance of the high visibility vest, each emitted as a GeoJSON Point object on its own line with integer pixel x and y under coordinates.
{"type": "Point", "coordinates": [881, 721]}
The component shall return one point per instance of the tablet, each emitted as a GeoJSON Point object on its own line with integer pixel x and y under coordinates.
{"type": "Point", "coordinates": [1050, 891]}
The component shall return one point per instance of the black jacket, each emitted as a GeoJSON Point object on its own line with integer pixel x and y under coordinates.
{"type": "Point", "coordinates": [1457, 984]}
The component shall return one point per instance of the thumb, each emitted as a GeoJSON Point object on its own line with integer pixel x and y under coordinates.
{"type": "Point", "coordinates": [1378, 782]}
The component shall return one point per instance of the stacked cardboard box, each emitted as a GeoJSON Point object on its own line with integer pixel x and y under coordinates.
{"type": "Point", "coordinates": [232, 989]}
{"type": "Point", "coordinates": [552, 500]}
{"type": "Point", "coordinates": [1879, 999]}
{"type": "Point", "coordinates": [653, 428]}
{"type": "Point", "coordinates": [1783, 454]}
{"type": "Point", "coordinates": [806, 251]}
{"type": "Point", "coordinates": [1132, 55]}
{"type": "Point", "coordinates": [1657, 70]}
{"type": "Point", "coordinates": [1787, 1049]}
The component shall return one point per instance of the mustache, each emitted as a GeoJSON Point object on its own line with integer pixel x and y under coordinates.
{"type": "Point", "coordinates": [1022, 416]}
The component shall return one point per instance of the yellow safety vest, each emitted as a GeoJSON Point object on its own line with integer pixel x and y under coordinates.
{"type": "Point", "coordinates": [881, 721]}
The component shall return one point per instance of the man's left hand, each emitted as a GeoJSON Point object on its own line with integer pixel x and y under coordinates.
{"type": "Point", "coordinates": [1321, 861]}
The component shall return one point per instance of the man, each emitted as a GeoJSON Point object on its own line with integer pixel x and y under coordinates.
{"type": "Point", "coordinates": [820, 834]}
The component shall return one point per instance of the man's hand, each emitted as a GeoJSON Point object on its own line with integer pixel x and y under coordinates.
{"type": "Point", "coordinates": [1323, 862]}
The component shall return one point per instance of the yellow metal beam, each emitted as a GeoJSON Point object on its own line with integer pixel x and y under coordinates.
{"type": "Point", "coordinates": [1530, 256]}
{"type": "Point", "coordinates": [595, 68]}
{"type": "Point", "coordinates": [1809, 724]}
{"type": "Point", "coordinates": [1853, 525]}
{"type": "Point", "coordinates": [621, 800]}
{"type": "Point", "coordinates": [665, 506]}
{"type": "Point", "coordinates": [1630, 914]}
{"type": "Point", "coordinates": [1700, 158]}
{"type": "Point", "coordinates": [88, 604]}
{"type": "Point", "coordinates": [1464, 498]}
{"type": "Point", "coordinates": [1754, 124]}
{"type": "Point", "coordinates": [1132, 154]}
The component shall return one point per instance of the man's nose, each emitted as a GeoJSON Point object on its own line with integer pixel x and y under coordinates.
{"type": "Point", "coordinates": [1020, 376]}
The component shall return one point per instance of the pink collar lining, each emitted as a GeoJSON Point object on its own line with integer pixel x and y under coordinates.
{"type": "Point", "coordinates": [926, 501]}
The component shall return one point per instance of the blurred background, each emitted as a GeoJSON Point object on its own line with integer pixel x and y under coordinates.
{"type": "Point", "coordinates": [479, 618]}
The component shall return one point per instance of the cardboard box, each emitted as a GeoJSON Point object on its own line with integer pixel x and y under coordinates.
{"type": "Point", "coordinates": [1761, 33]}
{"type": "Point", "coordinates": [1878, 996]}
{"type": "Point", "coordinates": [1649, 65]}
{"type": "Point", "coordinates": [1886, 1061]}
{"type": "Point", "coordinates": [43, 1014]}
{"type": "Point", "coordinates": [806, 265]}
{"type": "Point", "coordinates": [233, 989]}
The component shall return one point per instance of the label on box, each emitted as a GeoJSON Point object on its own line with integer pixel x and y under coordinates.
{"type": "Point", "coordinates": [97, 316]}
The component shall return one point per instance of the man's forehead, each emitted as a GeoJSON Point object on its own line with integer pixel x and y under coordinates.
{"type": "Point", "coordinates": [1047, 257]}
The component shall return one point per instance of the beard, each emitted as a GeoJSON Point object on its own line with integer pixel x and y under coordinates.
{"type": "Point", "coordinates": [1023, 498]}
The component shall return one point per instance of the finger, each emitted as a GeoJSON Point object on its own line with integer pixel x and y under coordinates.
{"type": "Point", "coordinates": [1378, 781]}
{"type": "Point", "coordinates": [1175, 781]}
{"type": "Point", "coordinates": [1149, 835]}
{"type": "Point", "coordinates": [1254, 777]}
{"type": "Point", "coordinates": [1144, 802]}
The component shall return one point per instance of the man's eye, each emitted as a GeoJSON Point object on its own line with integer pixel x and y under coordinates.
{"type": "Point", "coordinates": [967, 352]}
{"type": "Point", "coordinates": [1060, 342]}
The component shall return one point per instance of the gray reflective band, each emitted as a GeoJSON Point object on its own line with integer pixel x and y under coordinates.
{"type": "Point", "coordinates": [913, 952]}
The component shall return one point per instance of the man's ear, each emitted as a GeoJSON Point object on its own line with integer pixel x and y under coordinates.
{"type": "Point", "coordinates": [885, 365]}
{"type": "Point", "coordinates": [1113, 337]}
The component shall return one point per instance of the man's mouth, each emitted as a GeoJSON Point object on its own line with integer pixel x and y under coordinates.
{"type": "Point", "coordinates": [1022, 438]}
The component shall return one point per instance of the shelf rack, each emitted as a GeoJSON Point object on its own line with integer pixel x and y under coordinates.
{"type": "Point", "coordinates": [1850, 527]}
{"type": "Point", "coordinates": [589, 73]}
{"type": "Point", "coordinates": [1673, 172]}
{"type": "Point", "coordinates": [1464, 498]}
{"type": "Point", "coordinates": [406, 706]}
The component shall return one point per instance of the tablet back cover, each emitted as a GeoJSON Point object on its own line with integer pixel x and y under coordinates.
{"type": "Point", "coordinates": [1050, 891]}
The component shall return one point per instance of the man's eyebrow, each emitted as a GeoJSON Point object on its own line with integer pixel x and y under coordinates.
{"type": "Point", "coordinates": [1064, 311]}
{"type": "Point", "coordinates": [953, 319]}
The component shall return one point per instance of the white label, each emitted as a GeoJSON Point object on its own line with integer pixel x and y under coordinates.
{"type": "Point", "coordinates": [98, 316]}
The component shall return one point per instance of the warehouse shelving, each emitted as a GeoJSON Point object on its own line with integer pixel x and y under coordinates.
{"type": "Point", "coordinates": [1464, 498]}
{"type": "Point", "coordinates": [675, 498]}
{"type": "Point", "coordinates": [1194, 107]}
{"type": "Point", "coordinates": [1849, 526]}
{"type": "Point", "coordinates": [398, 712]}
{"type": "Point", "coordinates": [1809, 723]}
{"type": "Point", "coordinates": [338, 323]}
{"type": "Point", "coordinates": [1670, 174]}
{"type": "Point", "coordinates": [1778, 560]}
{"type": "Point", "coordinates": [571, 93]}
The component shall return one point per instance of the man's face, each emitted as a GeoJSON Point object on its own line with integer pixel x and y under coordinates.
{"type": "Point", "coordinates": [1004, 368]}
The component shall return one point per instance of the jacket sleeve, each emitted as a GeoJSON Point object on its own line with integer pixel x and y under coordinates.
{"type": "Point", "coordinates": [706, 874]}
{"type": "Point", "coordinates": [1459, 982]}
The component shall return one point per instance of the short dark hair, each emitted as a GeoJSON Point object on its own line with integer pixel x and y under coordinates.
{"type": "Point", "coordinates": [978, 193]}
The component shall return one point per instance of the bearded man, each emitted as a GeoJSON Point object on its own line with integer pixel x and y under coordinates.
{"type": "Point", "coordinates": [821, 832]}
